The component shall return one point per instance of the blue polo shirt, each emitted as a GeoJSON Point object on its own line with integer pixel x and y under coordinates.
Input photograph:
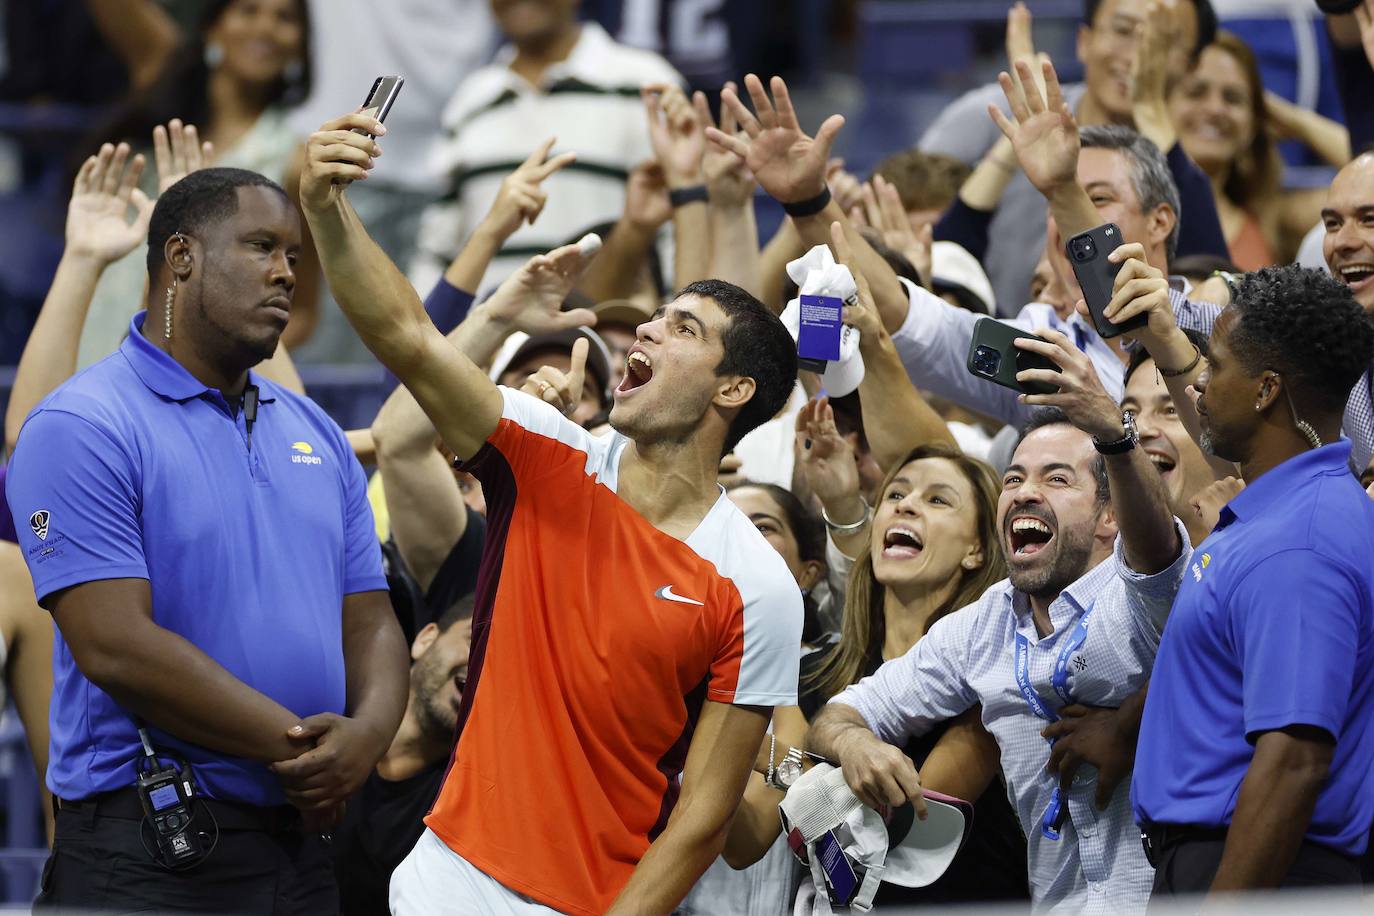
{"type": "Point", "coordinates": [133, 469]}
{"type": "Point", "coordinates": [1273, 627]}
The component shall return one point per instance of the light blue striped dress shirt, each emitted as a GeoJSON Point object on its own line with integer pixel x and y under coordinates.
{"type": "Point", "coordinates": [1097, 866]}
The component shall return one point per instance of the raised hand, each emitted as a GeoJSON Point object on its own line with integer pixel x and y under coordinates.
{"type": "Point", "coordinates": [1081, 395]}
{"type": "Point", "coordinates": [646, 197]}
{"type": "Point", "coordinates": [728, 180]}
{"type": "Point", "coordinates": [860, 314]}
{"type": "Point", "coordinates": [336, 155]}
{"type": "Point", "coordinates": [562, 390]}
{"type": "Point", "coordinates": [676, 133]}
{"type": "Point", "coordinates": [100, 225]}
{"type": "Point", "coordinates": [177, 152]}
{"type": "Point", "coordinates": [521, 199]}
{"type": "Point", "coordinates": [827, 461]}
{"type": "Point", "coordinates": [1150, 76]}
{"type": "Point", "coordinates": [1207, 503]}
{"type": "Point", "coordinates": [847, 190]}
{"type": "Point", "coordinates": [531, 299]}
{"type": "Point", "coordinates": [788, 164]}
{"type": "Point", "coordinates": [884, 213]}
{"type": "Point", "coordinates": [1041, 129]}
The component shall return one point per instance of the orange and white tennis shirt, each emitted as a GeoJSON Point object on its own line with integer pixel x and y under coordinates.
{"type": "Point", "coordinates": [596, 639]}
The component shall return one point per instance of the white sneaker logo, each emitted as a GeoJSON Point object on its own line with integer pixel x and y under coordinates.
{"type": "Point", "coordinates": [666, 592]}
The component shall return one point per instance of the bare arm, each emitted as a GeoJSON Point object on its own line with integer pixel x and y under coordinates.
{"type": "Point", "coordinates": [106, 219]}
{"type": "Point", "coordinates": [965, 760]}
{"type": "Point", "coordinates": [376, 663]}
{"type": "Point", "coordinates": [713, 780]}
{"type": "Point", "coordinates": [141, 32]}
{"type": "Point", "coordinates": [734, 233]}
{"type": "Point", "coordinates": [784, 247]}
{"type": "Point", "coordinates": [896, 417]}
{"type": "Point", "coordinates": [163, 678]}
{"type": "Point", "coordinates": [427, 512]}
{"type": "Point", "coordinates": [305, 301]}
{"type": "Point", "coordinates": [756, 823]}
{"type": "Point", "coordinates": [1275, 806]}
{"type": "Point", "coordinates": [679, 142]}
{"type": "Point", "coordinates": [1327, 138]}
{"type": "Point", "coordinates": [379, 301]}
{"type": "Point", "coordinates": [28, 663]}
{"type": "Point", "coordinates": [614, 272]}
{"type": "Point", "coordinates": [520, 200]}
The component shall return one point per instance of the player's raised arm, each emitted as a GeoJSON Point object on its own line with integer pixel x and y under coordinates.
{"type": "Point", "coordinates": [377, 298]}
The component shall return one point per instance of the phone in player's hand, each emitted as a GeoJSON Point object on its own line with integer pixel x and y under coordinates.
{"type": "Point", "coordinates": [993, 356]}
{"type": "Point", "coordinates": [380, 99]}
{"type": "Point", "coordinates": [1096, 275]}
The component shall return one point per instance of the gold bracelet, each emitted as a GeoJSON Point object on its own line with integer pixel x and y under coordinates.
{"type": "Point", "coordinates": [1175, 373]}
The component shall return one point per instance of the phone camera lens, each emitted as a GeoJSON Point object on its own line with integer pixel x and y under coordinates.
{"type": "Point", "coordinates": [986, 360]}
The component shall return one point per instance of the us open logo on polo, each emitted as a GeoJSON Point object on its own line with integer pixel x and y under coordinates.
{"type": "Point", "coordinates": [39, 523]}
{"type": "Point", "coordinates": [304, 454]}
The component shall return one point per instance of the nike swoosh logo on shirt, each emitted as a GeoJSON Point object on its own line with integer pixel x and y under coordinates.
{"type": "Point", "coordinates": [666, 592]}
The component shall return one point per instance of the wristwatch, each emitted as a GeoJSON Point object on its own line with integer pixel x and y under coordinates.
{"type": "Point", "coordinates": [788, 771]}
{"type": "Point", "coordinates": [1127, 442]}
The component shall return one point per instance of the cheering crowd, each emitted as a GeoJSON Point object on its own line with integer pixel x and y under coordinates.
{"type": "Point", "coordinates": [612, 575]}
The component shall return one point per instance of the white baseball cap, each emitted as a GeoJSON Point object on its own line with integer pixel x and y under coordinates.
{"type": "Point", "coordinates": [850, 848]}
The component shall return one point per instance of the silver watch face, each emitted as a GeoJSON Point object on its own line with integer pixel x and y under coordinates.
{"type": "Point", "coordinates": [789, 771]}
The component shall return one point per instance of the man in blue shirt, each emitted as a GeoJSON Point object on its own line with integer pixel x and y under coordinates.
{"type": "Point", "coordinates": [1253, 768]}
{"type": "Point", "coordinates": [203, 540]}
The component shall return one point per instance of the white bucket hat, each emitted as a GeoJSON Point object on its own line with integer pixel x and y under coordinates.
{"type": "Point", "coordinates": [851, 849]}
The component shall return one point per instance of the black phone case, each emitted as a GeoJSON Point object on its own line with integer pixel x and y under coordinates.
{"type": "Point", "coordinates": [990, 334]}
{"type": "Point", "coordinates": [1096, 276]}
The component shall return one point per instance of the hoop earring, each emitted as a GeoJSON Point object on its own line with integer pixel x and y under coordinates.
{"type": "Point", "coordinates": [167, 310]}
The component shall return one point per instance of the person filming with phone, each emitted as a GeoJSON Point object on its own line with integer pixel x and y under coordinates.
{"type": "Point", "coordinates": [1094, 560]}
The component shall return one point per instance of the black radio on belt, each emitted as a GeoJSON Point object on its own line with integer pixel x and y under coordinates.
{"type": "Point", "coordinates": [167, 794]}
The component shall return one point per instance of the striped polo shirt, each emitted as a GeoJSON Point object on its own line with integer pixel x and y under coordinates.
{"type": "Point", "coordinates": [590, 102]}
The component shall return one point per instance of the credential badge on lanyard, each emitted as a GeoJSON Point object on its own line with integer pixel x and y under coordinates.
{"type": "Point", "coordinates": [1053, 818]}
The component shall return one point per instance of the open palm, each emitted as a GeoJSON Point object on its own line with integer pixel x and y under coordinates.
{"type": "Point", "coordinates": [827, 461]}
{"type": "Point", "coordinates": [531, 299]}
{"type": "Point", "coordinates": [1041, 129]}
{"type": "Point", "coordinates": [788, 164]}
{"type": "Point", "coordinates": [108, 215]}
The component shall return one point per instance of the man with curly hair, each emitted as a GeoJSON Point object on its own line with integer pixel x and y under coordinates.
{"type": "Point", "coordinates": [1253, 763]}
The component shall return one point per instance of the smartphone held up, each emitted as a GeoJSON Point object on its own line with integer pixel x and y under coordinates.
{"type": "Point", "coordinates": [1096, 276]}
{"type": "Point", "coordinates": [382, 96]}
{"type": "Point", "coordinates": [994, 356]}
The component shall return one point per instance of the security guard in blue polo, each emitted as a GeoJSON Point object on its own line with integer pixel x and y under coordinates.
{"type": "Point", "coordinates": [228, 668]}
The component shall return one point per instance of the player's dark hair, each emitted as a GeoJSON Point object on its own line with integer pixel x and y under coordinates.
{"type": "Point", "coordinates": [200, 199]}
{"type": "Point", "coordinates": [1206, 22]}
{"type": "Point", "coordinates": [1305, 325]}
{"type": "Point", "coordinates": [758, 346]}
{"type": "Point", "coordinates": [1054, 416]}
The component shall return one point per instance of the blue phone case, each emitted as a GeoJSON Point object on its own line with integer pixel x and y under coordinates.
{"type": "Point", "coordinates": [819, 339]}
